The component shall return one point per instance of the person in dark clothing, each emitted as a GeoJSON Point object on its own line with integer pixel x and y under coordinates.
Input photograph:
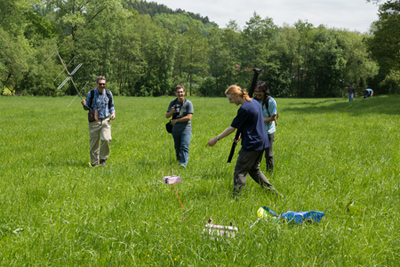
{"type": "Point", "coordinates": [249, 120]}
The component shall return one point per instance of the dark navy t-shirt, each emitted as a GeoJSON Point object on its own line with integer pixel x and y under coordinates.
{"type": "Point", "coordinates": [249, 120]}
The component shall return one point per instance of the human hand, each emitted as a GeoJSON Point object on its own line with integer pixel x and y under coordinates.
{"type": "Point", "coordinates": [237, 141]}
{"type": "Point", "coordinates": [112, 117]}
{"type": "Point", "coordinates": [212, 142]}
{"type": "Point", "coordinates": [83, 102]}
{"type": "Point", "coordinates": [173, 122]}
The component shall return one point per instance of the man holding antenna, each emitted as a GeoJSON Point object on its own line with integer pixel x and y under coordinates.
{"type": "Point", "coordinates": [100, 100]}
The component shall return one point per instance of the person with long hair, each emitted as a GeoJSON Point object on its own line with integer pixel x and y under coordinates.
{"type": "Point", "coordinates": [268, 105]}
{"type": "Point", "coordinates": [249, 120]}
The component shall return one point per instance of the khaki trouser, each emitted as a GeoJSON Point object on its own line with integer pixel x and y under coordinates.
{"type": "Point", "coordinates": [100, 130]}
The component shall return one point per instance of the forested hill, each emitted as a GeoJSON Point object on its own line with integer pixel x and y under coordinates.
{"type": "Point", "coordinates": [153, 8]}
{"type": "Point", "coordinates": [150, 53]}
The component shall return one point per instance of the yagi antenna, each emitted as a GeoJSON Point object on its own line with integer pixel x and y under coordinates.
{"type": "Point", "coordinates": [77, 95]}
{"type": "Point", "coordinates": [56, 51]}
{"type": "Point", "coordinates": [64, 69]}
{"type": "Point", "coordinates": [69, 74]}
{"type": "Point", "coordinates": [69, 77]}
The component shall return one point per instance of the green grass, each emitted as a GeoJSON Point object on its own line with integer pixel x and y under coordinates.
{"type": "Point", "coordinates": [332, 156]}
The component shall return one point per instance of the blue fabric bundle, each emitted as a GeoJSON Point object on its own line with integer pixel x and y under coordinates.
{"type": "Point", "coordinates": [297, 217]}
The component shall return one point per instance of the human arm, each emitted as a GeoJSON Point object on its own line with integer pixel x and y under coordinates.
{"type": "Point", "coordinates": [225, 133]}
{"type": "Point", "coordinates": [84, 102]}
{"type": "Point", "coordinates": [272, 111]}
{"type": "Point", "coordinates": [187, 118]}
{"type": "Point", "coordinates": [112, 108]}
{"type": "Point", "coordinates": [269, 119]}
{"type": "Point", "coordinates": [170, 113]}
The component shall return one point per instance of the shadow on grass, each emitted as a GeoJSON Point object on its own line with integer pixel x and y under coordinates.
{"type": "Point", "coordinates": [388, 105]}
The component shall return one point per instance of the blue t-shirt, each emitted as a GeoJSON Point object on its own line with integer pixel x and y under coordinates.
{"type": "Point", "coordinates": [186, 108]}
{"type": "Point", "coordinates": [249, 120]}
{"type": "Point", "coordinates": [271, 111]}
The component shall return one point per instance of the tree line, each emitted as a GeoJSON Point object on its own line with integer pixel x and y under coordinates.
{"type": "Point", "coordinates": [148, 53]}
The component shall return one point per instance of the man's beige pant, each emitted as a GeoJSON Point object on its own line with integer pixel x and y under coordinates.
{"type": "Point", "coordinates": [100, 130]}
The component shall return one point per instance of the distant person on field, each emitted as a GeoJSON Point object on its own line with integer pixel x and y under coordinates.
{"type": "Point", "coordinates": [368, 93]}
{"type": "Point", "coordinates": [351, 92]}
{"type": "Point", "coordinates": [182, 127]}
{"type": "Point", "coordinates": [249, 120]}
{"type": "Point", "coordinates": [100, 99]}
{"type": "Point", "coordinates": [268, 105]}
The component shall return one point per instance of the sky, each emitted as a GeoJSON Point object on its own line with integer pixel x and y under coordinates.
{"type": "Point", "coordinates": [353, 15]}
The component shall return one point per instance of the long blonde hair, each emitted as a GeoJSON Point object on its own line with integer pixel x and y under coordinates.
{"type": "Point", "coordinates": [236, 91]}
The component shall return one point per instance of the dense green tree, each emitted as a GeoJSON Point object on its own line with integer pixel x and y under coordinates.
{"type": "Point", "coordinates": [385, 44]}
{"type": "Point", "coordinates": [306, 31]}
{"type": "Point", "coordinates": [282, 79]}
{"type": "Point", "coordinates": [78, 13]}
{"type": "Point", "coordinates": [217, 58]}
{"type": "Point", "coordinates": [144, 48]}
{"type": "Point", "coordinates": [359, 66]}
{"type": "Point", "coordinates": [25, 36]}
{"type": "Point", "coordinates": [192, 56]}
{"type": "Point", "coordinates": [15, 55]}
{"type": "Point", "coordinates": [158, 51]}
{"type": "Point", "coordinates": [257, 38]}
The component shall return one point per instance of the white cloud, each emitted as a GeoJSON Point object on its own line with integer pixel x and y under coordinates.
{"type": "Point", "coordinates": [349, 14]}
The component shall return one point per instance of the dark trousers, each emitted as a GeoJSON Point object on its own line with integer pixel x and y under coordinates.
{"type": "Point", "coordinates": [249, 162]}
{"type": "Point", "coordinates": [269, 155]}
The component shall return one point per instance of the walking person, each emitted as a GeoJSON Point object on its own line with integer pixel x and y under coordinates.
{"type": "Point", "coordinates": [351, 92]}
{"type": "Point", "coordinates": [100, 99]}
{"type": "Point", "coordinates": [268, 105]}
{"type": "Point", "coordinates": [249, 120]}
{"type": "Point", "coordinates": [182, 110]}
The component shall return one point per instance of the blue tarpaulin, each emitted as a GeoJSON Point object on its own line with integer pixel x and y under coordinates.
{"type": "Point", "coordinates": [292, 216]}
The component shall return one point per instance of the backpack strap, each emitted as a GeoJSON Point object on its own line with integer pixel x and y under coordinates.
{"type": "Point", "coordinates": [108, 93]}
{"type": "Point", "coordinates": [267, 100]}
{"type": "Point", "coordinates": [173, 104]}
{"type": "Point", "coordinates": [91, 99]}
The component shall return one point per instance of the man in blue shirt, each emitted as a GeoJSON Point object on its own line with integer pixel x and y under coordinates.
{"type": "Point", "coordinates": [249, 120]}
{"type": "Point", "coordinates": [100, 99]}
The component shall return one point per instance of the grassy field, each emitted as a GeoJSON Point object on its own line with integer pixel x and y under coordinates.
{"type": "Point", "coordinates": [332, 156]}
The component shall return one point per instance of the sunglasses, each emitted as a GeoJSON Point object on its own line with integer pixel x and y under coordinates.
{"type": "Point", "coordinates": [102, 84]}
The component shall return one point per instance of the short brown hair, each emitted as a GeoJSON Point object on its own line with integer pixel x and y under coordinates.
{"type": "Point", "coordinates": [100, 78]}
{"type": "Point", "coordinates": [179, 87]}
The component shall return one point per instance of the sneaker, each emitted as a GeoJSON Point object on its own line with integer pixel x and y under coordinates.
{"type": "Point", "coordinates": [183, 166]}
{"type": "Point", "coordinates": [94, 164]}
{"type": "Point", "coordinates": [103, 163]}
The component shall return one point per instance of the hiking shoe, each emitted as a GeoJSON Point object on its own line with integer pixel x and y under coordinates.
{"type": "Point", "coordinates": [103, 163]}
